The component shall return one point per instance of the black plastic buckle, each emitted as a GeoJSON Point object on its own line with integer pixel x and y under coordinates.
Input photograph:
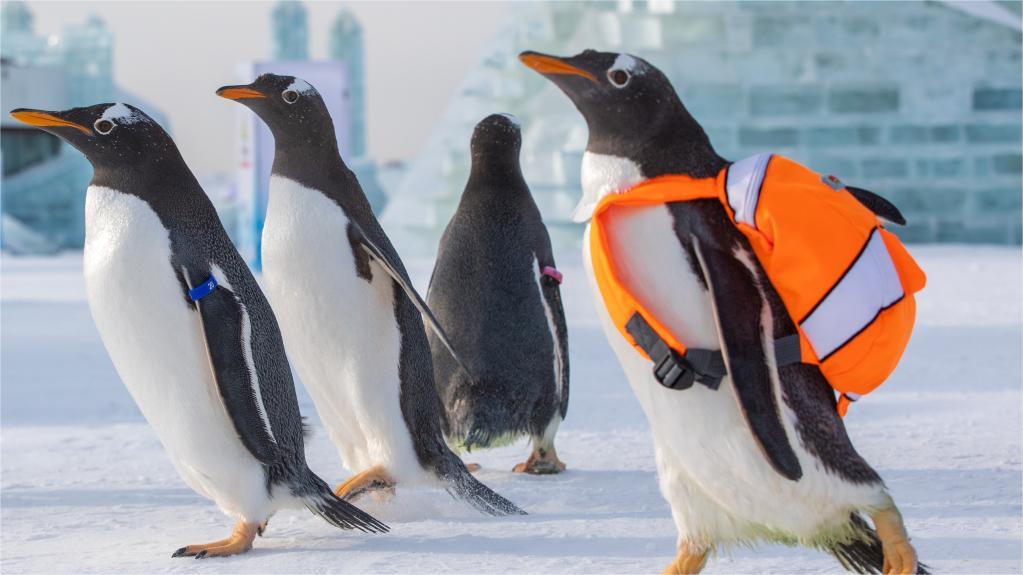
{"type": "Point", "coordinates": [672, 371]}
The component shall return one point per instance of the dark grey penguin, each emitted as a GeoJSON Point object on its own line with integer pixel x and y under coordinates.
{"type": "Point", "coordinates": [495, 289]}
{"type": "Point", "coordinates": [350, 317]}
{"type": "Point", "coordinates": [188, 328]}
{"type": "Point", "coordinates": [750, 459]}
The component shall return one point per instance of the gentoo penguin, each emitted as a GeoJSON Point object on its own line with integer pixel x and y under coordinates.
{"type": "Point", "coordinates": [188, 328]}
{"type": "Point", "coordinates": [765, 455]}
{"type": "Point", "coordinates": [350, 316]}
{"type": "Point", "coordinates": [495, 289]}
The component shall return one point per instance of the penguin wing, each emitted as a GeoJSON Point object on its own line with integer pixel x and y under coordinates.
{"type": "Point", "coordinates": [880, 206]}
{"type": "Point", "coordinates": [552, 297]}
{"type": "Point", "coordinates": [355, 234]}
{"type": "Point", "coordinates": [738, 307]}
{"type": "Point", "coordinates": [226, 330]}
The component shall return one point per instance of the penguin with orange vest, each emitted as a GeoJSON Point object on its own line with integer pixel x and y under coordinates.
{"type": "Point", "coordinates": [738, 298]}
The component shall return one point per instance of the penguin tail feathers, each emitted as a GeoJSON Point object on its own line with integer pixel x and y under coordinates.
{"type": "Point", "coordinates": [462, 485]}
{"type": "Point", "coordinates": [863, 553]}
{"type": "Point", "coordinates": [338, 512]}
{"type": "Point", "coordinates": [476, 438]}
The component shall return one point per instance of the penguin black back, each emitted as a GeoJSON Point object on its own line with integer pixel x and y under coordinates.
{"type": "Point", "coordinates": [506, 323]}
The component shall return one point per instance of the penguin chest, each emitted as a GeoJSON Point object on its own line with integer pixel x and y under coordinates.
{"type": "Point", "coordinates": [711, 468]}
{"type": "Point", "coordinates": [339, 327]}
{"type": "Point", "coordinates": [154, 340]}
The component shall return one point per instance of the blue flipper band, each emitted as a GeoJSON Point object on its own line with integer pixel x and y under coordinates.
{"type": "Point", "coordinates": [204, 289]}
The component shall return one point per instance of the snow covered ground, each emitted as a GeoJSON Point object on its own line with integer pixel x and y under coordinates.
{"type": "Point", "coordinates": [86, 486]}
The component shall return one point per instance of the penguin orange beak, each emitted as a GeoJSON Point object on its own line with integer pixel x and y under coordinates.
{"type": "Point", "coordinates": [549, 65]}
{"type": "Point", "coordinates": [42, 119]}
{"type": "Point", "coordinates": [239, 93]}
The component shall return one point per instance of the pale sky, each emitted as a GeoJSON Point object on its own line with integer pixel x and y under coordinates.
{"type": "Point", "coordinates": [175, 54]}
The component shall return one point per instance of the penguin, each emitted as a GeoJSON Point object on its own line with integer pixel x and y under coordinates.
{"type": "Point", "coordinates": [495, 289]}
{"type": "Point", "coordinates": [350, 316]}
{"type": "Point", "coordinates": [188, 329]}
{"type": "Point", "coordinates": [764, 456]}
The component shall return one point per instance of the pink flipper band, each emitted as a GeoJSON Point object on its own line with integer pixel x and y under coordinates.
{"type": "Point", "coordinates": [552, 273]}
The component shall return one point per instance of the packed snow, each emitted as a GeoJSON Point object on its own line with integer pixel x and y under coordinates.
{"type": "Point", "coordinates": [86, 486]}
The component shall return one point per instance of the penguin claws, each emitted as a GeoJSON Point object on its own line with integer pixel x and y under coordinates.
{"type": "Point", "coordinates": [261, 528]}
{"type": "Point", "coordinates": [240, 541]}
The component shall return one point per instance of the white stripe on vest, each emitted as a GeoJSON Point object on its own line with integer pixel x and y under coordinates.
{"type": "Point", "coordinates": [869, 287]}
{"type": "Point", "coordinates": [743, 187]}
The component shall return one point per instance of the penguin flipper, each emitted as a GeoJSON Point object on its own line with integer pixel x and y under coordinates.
{"type": "Point", "coordinates": [222, 317]}
{"type": "Point", "coordinates": [462, 485]}
{"type": "Point", "coordinates": [880, 206]}
{"type": "Point", "coordinates": [356, 234]}
{"type": "Point", "coordinates": [731, 284]}
{"type": "Point", "coordinates": [552, 295]}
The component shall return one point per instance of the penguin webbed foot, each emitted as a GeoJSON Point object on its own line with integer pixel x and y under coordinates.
{"type": "Point", "coordinates": [240, 541]}
{"type": "Point", "coordinates": [374, 480]}
{"type": "Point", "coordinates": [541, 462]}
{"type": "Point", "coordinates": [899, 555]}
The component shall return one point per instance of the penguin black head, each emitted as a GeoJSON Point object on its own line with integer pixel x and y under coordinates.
{"type": "Point", "coordinates": [496, 137]}
{"type": "Point", "coordinates": [290, 107]}
{"type": "Point", "coordinates": [632, 111]}
{"type": "Point", "coordinates": [112, 136]}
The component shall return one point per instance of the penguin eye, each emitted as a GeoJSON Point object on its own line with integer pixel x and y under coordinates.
{"type": "Point", "coordinates": [104, 126]}
{"type": "Point", "coordinates": [618, 77]}
{"type": "Point", "coordinates": [290, 96]}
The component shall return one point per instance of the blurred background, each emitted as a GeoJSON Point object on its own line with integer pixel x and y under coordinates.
{"type": "Point", "coordinates": [920, 101]}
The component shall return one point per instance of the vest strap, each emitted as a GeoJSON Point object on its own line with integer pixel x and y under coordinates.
{"type": "Point", "coordinates": [786, 350]}
{"type": "Point", "coordinates": [673, 370]}
{"type": "Point", "coordinates": [677, 371]}
{"type": "Point", "coordinates": [742, 187]}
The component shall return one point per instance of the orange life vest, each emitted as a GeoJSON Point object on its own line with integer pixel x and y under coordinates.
{"type": "Point", "coordinates": [846, 282]}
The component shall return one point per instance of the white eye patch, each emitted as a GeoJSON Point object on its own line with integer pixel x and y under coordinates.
{"type": "Point", "coordinates": [627, 63]}
{"type": "Point", "coordinates": [300, 86]}
{"type": "Point", "coordinates": [120, 114]}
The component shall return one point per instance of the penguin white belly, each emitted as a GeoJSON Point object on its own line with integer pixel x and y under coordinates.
{"type": "Point", "coordinates": [711, 469]}
{"type": "Point", "coordinates": [338, 328]}
{"type": "Point", "coordinates": [155, 343]}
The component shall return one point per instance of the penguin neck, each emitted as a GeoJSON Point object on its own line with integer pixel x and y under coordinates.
{"type": "Point", "coordinates": [147, 177]}
{"type": "Point", "coordinates": [611, 165]}
{"type": "Point", "coordinates": [292, 149]}
{"type": "Point", "coordinates": [166, 185]}
{"type": "Point", "coordinates": [495, 176]}
{"type": "Point", "coordinates": [316, 163]}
